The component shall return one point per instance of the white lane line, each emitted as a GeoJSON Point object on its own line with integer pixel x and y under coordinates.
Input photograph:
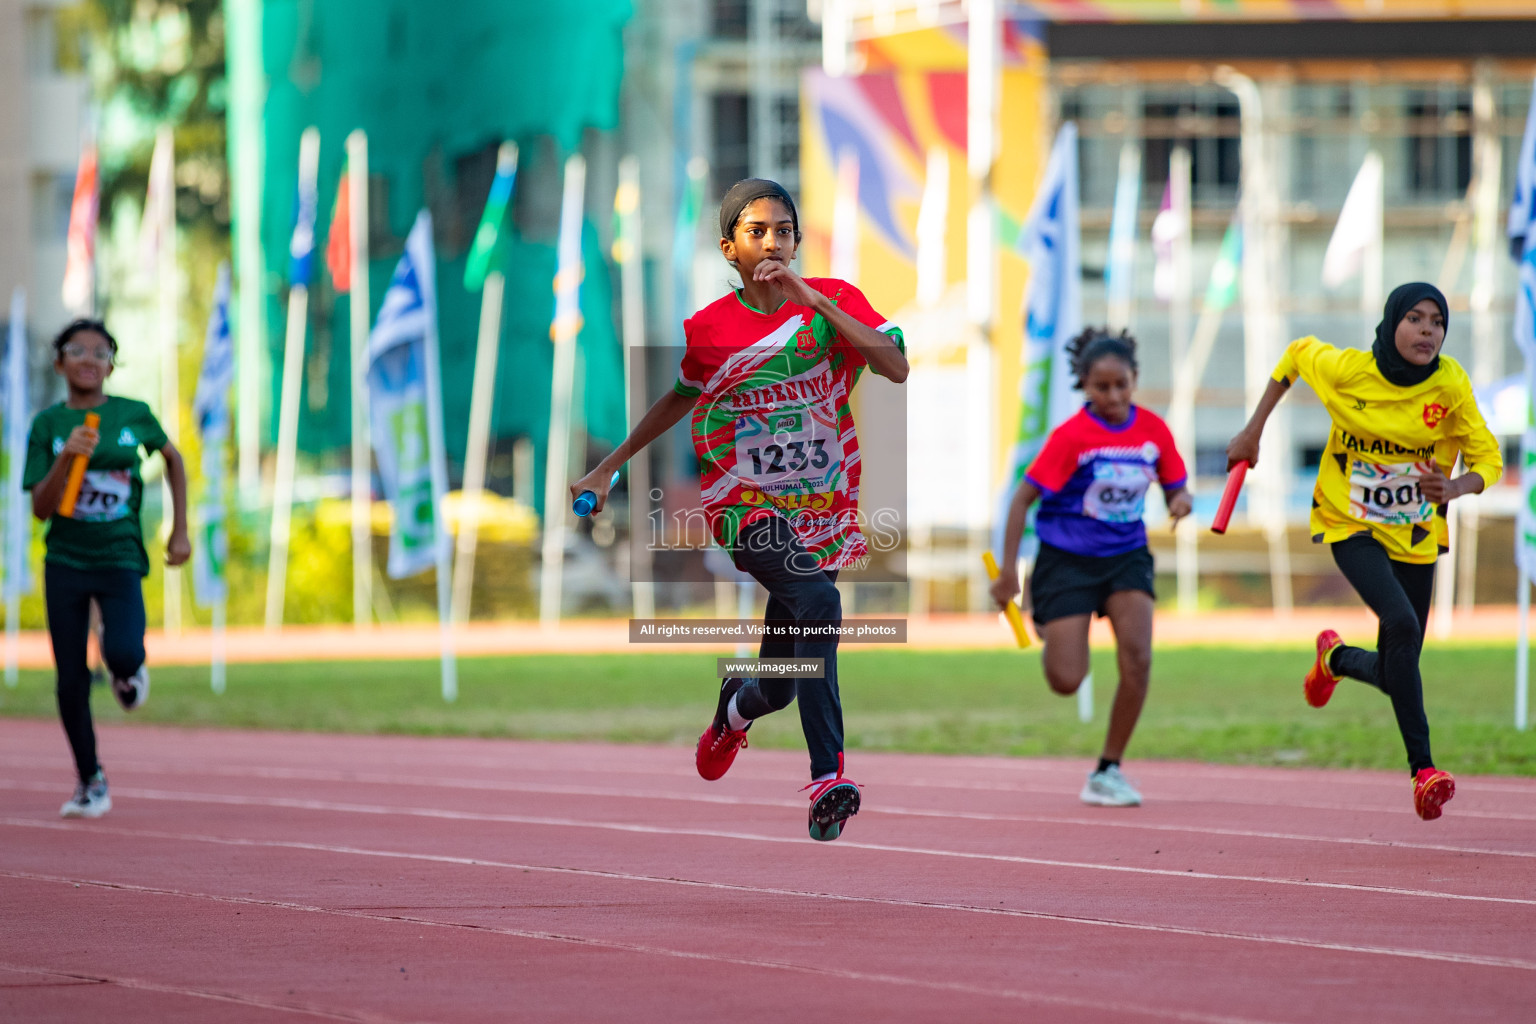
{"type": "Point", "coordinates": [1440, 956]}
{"type": "Point", "coordinates": [194, 993]}
{"type": "Point", "coordinates": [500, 786]}
{"type": "Point", "coordinates": [333, 807]}
{"type": "Point", "coordinates": [1398, 810]}
{"type": "Point", "coordinates": [644, 950]}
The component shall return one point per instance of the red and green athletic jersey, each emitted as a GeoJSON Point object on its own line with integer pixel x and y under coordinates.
{"type": "Point", "coordinates": [772, 426]}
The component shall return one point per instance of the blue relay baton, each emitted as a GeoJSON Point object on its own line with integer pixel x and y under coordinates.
{"type": "Point", "coordinates": [582, 506]}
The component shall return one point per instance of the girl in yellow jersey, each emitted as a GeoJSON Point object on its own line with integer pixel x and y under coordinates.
{"type": "Point", "coordinates": [1401, 414]}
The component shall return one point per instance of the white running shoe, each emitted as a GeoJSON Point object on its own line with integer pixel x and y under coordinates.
{"type": "Point", "coordinates": [1109, 788]}
{"type": "Point", "coordinates": [134, 691]}
{"type": "Point", "coordinates": [91, 800]}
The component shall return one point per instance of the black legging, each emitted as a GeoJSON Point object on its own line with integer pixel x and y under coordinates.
{"type": "Point", "coordinates": [67, 593]}
{"type": "Point", "coordinates": [1399, 594]}
{"type": "Point", "coordinates": [800, 592]}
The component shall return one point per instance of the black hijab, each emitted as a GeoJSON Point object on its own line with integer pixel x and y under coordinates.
{"type": "Point", "coordinates": [1388, 359]}
{"type": "Point", "coordinates": [747, 191]}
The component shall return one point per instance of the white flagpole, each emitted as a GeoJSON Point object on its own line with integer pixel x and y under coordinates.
{"type": "Point", "coordinates": [566, 326]}
{"type": "Point", "coordinates": [1187, 542]}
{"type": "Point", "coordinates": [170, 376]}
{"type": "Point", "coordinates": [1261, 320]}
{"type": "Point", "coordinates": [481, 404]}
{"type": "Point", "coordinates": [632, 288]}
{"type": "Point", "coordinates": [983, 58]}
{"type": "Point", "coordinates": [481, 400]}
{"type": "Point", "coordinates": [438, 453]}
{"type": "Point", "coordinates": [17, 514]}
{"type": "Point", "coordinates": [362, 441]}
{"type": "Point", "coordinates": [1121, 260]}
{"type": "Point", "coordinates": [288, 416]}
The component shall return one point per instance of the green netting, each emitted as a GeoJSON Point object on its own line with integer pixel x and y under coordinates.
{"type": "Point", "coordinates": [432, 84]}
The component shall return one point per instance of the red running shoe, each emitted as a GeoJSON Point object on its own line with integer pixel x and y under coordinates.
{"type": "Point", "coordinates": [833, 801]}
{"type": "Point", "coordinates": [1321, 680]}
{"type": "Point", "coordinates": [719, 743]}
{"type": "Point", "coordinates": [1431, 789]}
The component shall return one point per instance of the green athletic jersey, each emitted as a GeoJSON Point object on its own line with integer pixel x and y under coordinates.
{"type": "Point", "coordinates": [104, 532]}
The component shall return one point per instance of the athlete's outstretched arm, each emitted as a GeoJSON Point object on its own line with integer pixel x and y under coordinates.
{"type": "Point", "coordinates": [658, 419]}
{"type": "Point", "coordinates": [1245, 446]}
{"type": "Point", "coordinates": [1006, 586]}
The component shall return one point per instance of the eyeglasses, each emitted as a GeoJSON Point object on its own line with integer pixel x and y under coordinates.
{"type": "Point", "coordinates": [99, 353]}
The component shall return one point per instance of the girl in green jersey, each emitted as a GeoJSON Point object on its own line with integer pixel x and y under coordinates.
{"type": "Point", "coordinates": [97, 551]}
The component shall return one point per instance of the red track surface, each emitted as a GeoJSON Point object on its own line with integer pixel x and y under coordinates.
{"type": "Point", "coordinates": [275, 877]}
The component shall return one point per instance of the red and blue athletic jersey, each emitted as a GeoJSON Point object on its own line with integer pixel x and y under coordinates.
{"type": "Point", "coordinates": [1093, 478]}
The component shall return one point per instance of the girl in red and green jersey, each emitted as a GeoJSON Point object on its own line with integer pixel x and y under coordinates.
{"type": "Point", "coordinates": [1402, 413]}
{"type": "Point", "coordinates": [96, 553]}
{"type": "Point", "coordinates": [766, 377]}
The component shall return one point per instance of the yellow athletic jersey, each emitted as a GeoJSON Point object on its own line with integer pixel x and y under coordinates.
{"type": "Point", "coordinates": [1383, 440]}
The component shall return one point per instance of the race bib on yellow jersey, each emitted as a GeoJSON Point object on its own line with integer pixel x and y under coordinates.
{"type": "Point", "coordinates": [103, 495]}
{"type": "Point", "coordinates": [787, 452]}
{"type": "Point", "coordinates": [1389, 493]}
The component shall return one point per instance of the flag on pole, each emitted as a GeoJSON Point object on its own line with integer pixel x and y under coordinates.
{"type": "Point", "coordinates": [1053, 303]}
{"type": "Point", "coordinates": [79, 292]}
{"type": "Point", "coordinates": [1226, 273]}
{"type": "Point", "coordinates": [1053, 311]}
{"type": "Point", "coordinates": [210, 412]}
{"type": "Point", "coordinates": [1167, 227]}
{"type": "Point", "coordinates": [1359, 226]}
{"type": "Point", "coordinates": [486, 235]}
{"type": "Point", "coordinates": [301, 248]}
{"type": "Point", "coordinates": [18, 530]}
{"type": "Point", "coordinates": [398, 381]}
{"type": "Point", "coordinates": [338, 244]}
{"type": "Point", "coordinates": [1522, 234]}
{"type": "Point", "coordinates": [159, 199]}
{"type": "Point", "coordinates": [18, 510]}
{"type": "Point", "coordinates": [1119, 268]}
{"type": "Point", "coordinates": [685, 238]}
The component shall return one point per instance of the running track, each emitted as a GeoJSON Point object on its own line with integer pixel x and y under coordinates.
{"type": "Point", "coordinates": [285, 877]}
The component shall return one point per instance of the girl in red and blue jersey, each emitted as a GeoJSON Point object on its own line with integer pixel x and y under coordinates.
{"type": "Point", "coordinates": [1091, 478]}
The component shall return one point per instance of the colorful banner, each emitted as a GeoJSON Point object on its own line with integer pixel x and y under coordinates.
{"type": "Point", "coordinates": [79, 292]}
{"type": "Point", "coordinates": [402, 342]}
{"type": "Point", "coordinates": [479, 262]}
{"type": "Point", "coordinates": [210, 412]}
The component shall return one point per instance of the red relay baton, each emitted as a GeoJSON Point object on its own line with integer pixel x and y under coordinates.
{"type": "Point", "coordinates": [1229, 498]}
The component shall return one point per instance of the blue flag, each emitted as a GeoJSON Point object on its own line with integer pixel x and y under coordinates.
{"type": "Point", "coordinates": [210, 411]}
{"type": "Point", "coordinates": [301, 248]}
{"type": "Point", "coordinates": [407, 427]}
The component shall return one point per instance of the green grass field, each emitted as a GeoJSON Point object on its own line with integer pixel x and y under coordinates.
{"type": "Point", "coordinates": [1218, 704]}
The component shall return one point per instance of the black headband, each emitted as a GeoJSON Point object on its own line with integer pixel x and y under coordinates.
{"type": "Point", "coordinates": [748, 191]}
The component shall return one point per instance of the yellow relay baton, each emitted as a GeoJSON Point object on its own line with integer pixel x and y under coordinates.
{"type": "Point", "coordinates": [1011, 609]}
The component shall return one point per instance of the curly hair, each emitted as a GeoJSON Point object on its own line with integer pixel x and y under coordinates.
{"type": "Point", "coordinates": [75, 327]}
{"type": "Point", "coordinates": [1097, 343]}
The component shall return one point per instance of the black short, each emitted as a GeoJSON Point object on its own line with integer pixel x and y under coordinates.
{"type": "Point", "coordinates": [1063, 583]}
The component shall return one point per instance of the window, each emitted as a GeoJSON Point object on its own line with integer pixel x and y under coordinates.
{"type": "Point", "coordinates": [730, 157]}
{"type": "Point", "coordinates": [1438, 141]}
